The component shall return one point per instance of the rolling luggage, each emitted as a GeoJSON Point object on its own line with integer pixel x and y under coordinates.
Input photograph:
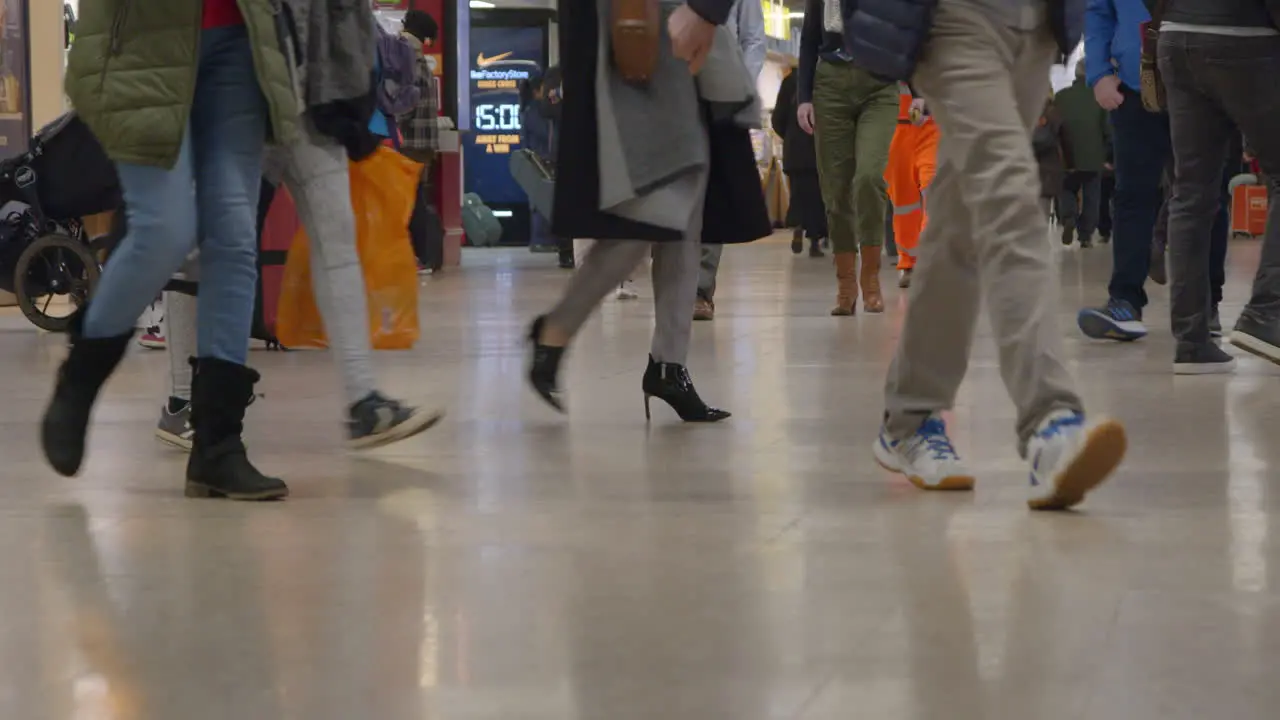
{"type": "Point", "coordinates": [277, 224]}
{"type": "Point", "coordinates": [426, 230]}
{"type": "Point", "coordinates": [1248, 210]}
{"type": "Point", "coordinates": [479, 223]}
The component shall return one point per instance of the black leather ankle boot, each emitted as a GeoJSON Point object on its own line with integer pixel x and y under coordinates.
{"type": "Point", "coordinates": [544, 366]}
{"type": "Point", "coordinates": [671, 384]}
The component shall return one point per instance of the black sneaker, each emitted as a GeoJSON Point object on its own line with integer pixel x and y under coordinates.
{"type": "Point", "coordinates": [376, 421]}
{"type": "Point", "coordinates": [1206, 359]}
{"type": "Point", "coordinates": [1117, 321]}
{"type": "Point", "coordinates": [1068, 234]}
{"type": "Point", "coordinates": [1260, 337]}
{"type": "Point", "coordinates": [1086, 241]}
{"type": "Point", "coordinates": [1215, 323]}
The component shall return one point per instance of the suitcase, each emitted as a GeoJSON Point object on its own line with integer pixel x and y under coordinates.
{"type": "Point", "coordinates": [426, 230]}
{"type": "Point", "coordinates": [277, 224]}
{"type": "Point", "coordinates": [536, 178]}
{"type": "Point", "coordinates": [479, 223]}
{"type": "Point", "coordinates": [1249, 210]}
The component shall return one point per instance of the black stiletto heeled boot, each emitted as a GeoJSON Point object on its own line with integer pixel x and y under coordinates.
{"type": "Point", "coordinates": [544, 366]}
{"type": "Point", "coordinates": [671, 384]}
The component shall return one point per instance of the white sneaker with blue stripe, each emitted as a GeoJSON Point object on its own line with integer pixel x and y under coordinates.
{"type": "Point", "coordinates": [927, 458]}
{"type": "Point", "coordinates": [1119, 320]}
{"type": "Point", "coordinates": [1069, 458]}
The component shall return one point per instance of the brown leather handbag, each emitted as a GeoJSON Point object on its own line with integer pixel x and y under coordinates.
{"type": "Point", "coordinates": [1152, 85]}
{"type": "Point", "coordinates": [635, 31]}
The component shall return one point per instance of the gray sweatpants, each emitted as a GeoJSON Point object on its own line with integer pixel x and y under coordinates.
{"type": "Point", "coordinates": [315, 172]}
{"type": "Point", "coordinates": [986, 85]}
{"type": "Point", "coordinates": [708, 269]}
{"type": "Point", "coordinates": [675, 285]}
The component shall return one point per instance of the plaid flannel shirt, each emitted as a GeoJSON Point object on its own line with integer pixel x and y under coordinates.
{"type": "Point", "coordinates": [420, 128]}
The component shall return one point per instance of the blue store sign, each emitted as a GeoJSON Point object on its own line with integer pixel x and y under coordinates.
{"type": "Point", "coordinates": [504, 57]}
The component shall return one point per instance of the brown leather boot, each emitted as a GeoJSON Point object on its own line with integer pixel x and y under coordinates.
{"type": "Point", "coordinates": [846, 283]}
{"type": "Point", "coordinates": [872, 300]}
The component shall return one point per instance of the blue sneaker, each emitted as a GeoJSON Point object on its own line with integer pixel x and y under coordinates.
{"type": "Point", "coordinates": [1117, 321]}
{"type": "Point", "coordinates": [927, 458]}
{"type": "Point", "coordinates": [1069, 458]}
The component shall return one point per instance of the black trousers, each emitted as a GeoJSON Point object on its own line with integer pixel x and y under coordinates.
{"type": "Point", "coordinates": [806, 204]}
{"type": "Point", "coordinates": [426, 231]}
{"type": "Point", "coordinates": [1079, 201]}
{"type": "Point", "coordinates": [1141, 141]}
{"type": "Point", "coordinates": [1216, 84]}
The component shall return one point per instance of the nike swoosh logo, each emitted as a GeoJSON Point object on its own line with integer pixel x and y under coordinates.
{"type": "Point", "coordinates": [482, 61]}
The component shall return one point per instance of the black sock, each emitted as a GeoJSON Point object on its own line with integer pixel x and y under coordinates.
{"type": "Point", "coordinates": [177, 405]}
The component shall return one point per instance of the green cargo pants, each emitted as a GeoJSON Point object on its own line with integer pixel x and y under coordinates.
{"type": "Point", "coordinates": [855, 117]}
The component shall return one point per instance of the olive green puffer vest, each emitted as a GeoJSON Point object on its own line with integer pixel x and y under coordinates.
{"type": "Point", "coordinates": [132, 70]}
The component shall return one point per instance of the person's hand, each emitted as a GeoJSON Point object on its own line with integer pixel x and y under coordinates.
{"type": "Point", "coordinates": [691, 37]}
{"type": "Point", "coordinates": [1107, 92]}
{"type": "Point", "coordinates": [1108, 167]}
{"type": "Point", "coordinates": [916, 112]}
{"type": "Point", "coordinates": [804, 114]}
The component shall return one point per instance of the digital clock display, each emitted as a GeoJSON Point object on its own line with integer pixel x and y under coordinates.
{"type": "Point", "coordinates": [502, 58]}
{"type": "Point", "coordinates": [497, 118]}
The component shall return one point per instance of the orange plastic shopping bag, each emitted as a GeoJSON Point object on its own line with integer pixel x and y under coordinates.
{"type": "Point", "coordinates": [384, 188]}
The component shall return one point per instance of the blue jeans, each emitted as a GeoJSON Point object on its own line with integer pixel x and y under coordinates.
{"type": "Point", "coordinates": [540, 231]}
{"type": "Point", "coordinates": [1142, 148]}
{"type": "Point", "coordinates": [221, 155]}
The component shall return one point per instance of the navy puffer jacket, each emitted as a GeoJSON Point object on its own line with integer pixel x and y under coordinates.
{"type": "Point", "coordinates": [886, 37]}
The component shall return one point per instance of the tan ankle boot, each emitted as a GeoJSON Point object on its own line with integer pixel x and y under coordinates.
{"type": "Point", "coordinates": [872, 300]}
{"type": "Point", "coordinates": [846, 283]}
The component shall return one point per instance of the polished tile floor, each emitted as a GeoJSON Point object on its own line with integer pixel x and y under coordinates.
{"type": "Point", "coordinates": [518, 565]}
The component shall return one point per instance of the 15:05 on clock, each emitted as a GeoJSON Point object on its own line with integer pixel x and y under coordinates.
{"type": "Point", "coordinates": [497, 118]}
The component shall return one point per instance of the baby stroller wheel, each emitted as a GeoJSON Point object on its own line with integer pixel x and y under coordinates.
{"type": "Point", "coordinates": [55, 276]}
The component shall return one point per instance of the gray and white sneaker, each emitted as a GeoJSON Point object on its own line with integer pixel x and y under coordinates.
{"type": "Point", "coordinates": [1070, 458]}
{"type": "Point", "coordinates": [376, 421]}
{"type": "Point", "coordinates": [174, 427]}
{"type": "Point", "coordinates": [927, 458]}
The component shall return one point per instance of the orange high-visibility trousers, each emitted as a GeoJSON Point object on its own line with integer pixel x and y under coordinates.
{"type": "Point", "coordinates": [913, 159]}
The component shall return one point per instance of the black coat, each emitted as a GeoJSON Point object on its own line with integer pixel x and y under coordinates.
{"type": "Point", "coordinates": [798, 152]}
{"type": "Point", "coordinates": [735, 210]}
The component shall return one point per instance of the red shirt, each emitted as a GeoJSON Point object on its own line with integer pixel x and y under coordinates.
{"type": "Point", "coordinates": [221, 13]}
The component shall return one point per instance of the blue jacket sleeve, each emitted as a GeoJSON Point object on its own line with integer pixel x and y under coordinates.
{"type": "Point", "coordinates": [1099, 34]}
{"type": "Point", "coordinates": [810, 41]}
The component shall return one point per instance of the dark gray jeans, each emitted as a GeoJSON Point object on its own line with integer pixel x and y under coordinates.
{"type": "Point", "coordinates": [1214, 84]}
{"type": "Point", "coordinates": [1078, 205]}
